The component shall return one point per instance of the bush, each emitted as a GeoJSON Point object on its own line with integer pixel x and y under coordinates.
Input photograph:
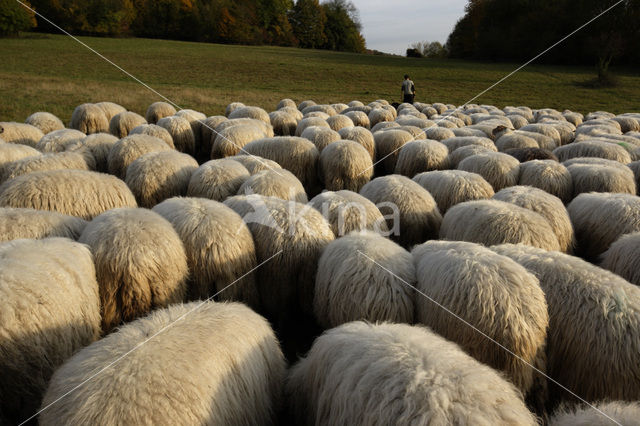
{"type": "Point", "coordinates": [15, 18]}
{"type": "Point", "coordinates": [413, 53]}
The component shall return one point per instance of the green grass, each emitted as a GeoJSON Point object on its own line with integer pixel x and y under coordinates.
{"type": "Point", "coordinates": [55, 73]}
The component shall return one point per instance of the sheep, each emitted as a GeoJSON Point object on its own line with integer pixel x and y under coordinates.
{"type": "Point", "coordinates": [220, 251]}
{"type": "Point", "coordinates": [359, 118]}
{"type": "Point", "coordinates": [140, 263]}
{"type": "Point", "coordinates": [291, 236]}
{"type": "Point", "coordinates": [265, 127]}
{"type": "Point", "coordinates": [339, 107]}
{"type": "Point", "coordinates": [621, 257]}
{"type": "Point", "coordinates": [89, 118]}
{"type": "Point", "coordinates": [320, 136]}
{"type": "Point", "coordinates": [421, 156]}
{"type": "Point", "coordinates": [527, 154]}
{"type": "Point", "coordinates": [355, 103]}
{"type": "Point", "coordinates": [217, 179]}
{"type": "Point", "coordinates": [128, 149]}
{"type": "Point", "coordinates": [544, 129]}
{"type": "Point", "coordinates": [156, 176]}
{"type": "Point", "coordinates": [327, 109]}
{"type": "Point", "coordinates": [284, 124]}
{"type": "Point", "coordinates": [467, 131]}
{"type": "Point", "coordinates": [522, 137]}
{"type": "Point", "coordinates": [415, 208]}
{"type": "Point", "coordinates": [500, 170]}
{"type": "Point", "coordinates": [158, 110]}
{"type": "Point", "coordinates": [345, 165]}
{"type": "Point", "coordinates": [383, 125]}
{"type": "Point", "coordinates": [589, 177]}
{"type": "Point", "coordinates": [426, 380]}
{"type": "Point", "coordinates": [593, 319]}
{"type": "Point", "coordinates": [364, 276]}
{"type": "Point", "coordinates": [99, 145]}
{"type": "Point", "coordinates": [195, 120]}
{"type": "Point", "coordinates": [317, 114]}
{"type": "Point", "coordinates": [208, 134]}
{"type": "Point", "coordinates": [587, 148]}
{"type": "Point", "coordinates": [387, 146]}
{"type": "Point", "coordinates": [50, 310]}
{"type": "Point", "coordinates": [18, 223]}
{"type": "Point", "coordinates": [494, 294]}
{"type": "Point", "coordinates": [546, 205]}
{"type": "Point", "coordinates": [599, 219]}
{"type": "Point", "coordinates": [232, 107]}
{"type": "Point", "coordinates": [420, 123]}
{"type": "Point", "coordinates": [230, 371]}
{"type": "Point", "coordinates": [361, 135]}
{"type": "Point", "coordinates": [255, 164]}
{"type": "Point", "coordinates": [416, 132]}
{"type": "Point", "coordinates": [627, 124]}
{"type": "Point", "coordinates": [232, 140]}
{"type": "Point", "coordinates": [20, 133]}
{"type": "Point", "coordinates": [459, 154]}
{"type": "Point", "coordinates": [122, 123]}
{"type": "Point", "coordinates": [490, 222]}
{"type": "Point", "coordinates": [438, 133]}
{"type": "Point", "coordinates": [348, 211]}
{"type": "Point", "coordinates": [548, 175]}
{"type": "Point", "coordinates": [451, 187]}
{"type": "Point", "coordinates": [460, 141]}
{"type": "Point", "coordinates": [574, 118]}
{"type": "Point", "coordinates": [294, 112]}
{"type": "Point", "coordinates": [286, 102]}
{"type": "Point", "coordinates": [517, 121]}
{"type": "Point", "coordinates": [339, 121]}
{"type": "Point", "coordinates": [515, 140]}
{"type": "Point", "coordinates": [278, 183]}
{"type": "Point", "coordinates": [250, 112]}
{"type": "Point", "coordinates": [57, 161]}
{"type": "Point", "coordinates": [308, 122]}
{"type": "Point", "coordinates": [45, 121]}
{"type": "Point", "coordinates": [621, 412]}
{"type": "Point", "coordinates": [181, 132]}
{"type": "Point", "coordinates": [74, 192]}
{"type": "Point", "coordinates": [10, 152]}
{"type": "Point", "coordinates": [59, 140]}
{"type": "Point", "coordinates": [298, 155]}
{"type": "Point", "coordinates": [634, 166]}
{"type": "Point", "coordinates": [110, 109]}
{"type": "Point", "coordinates": [379, 115]}
{"type": "Point", "coordinates": [155, 131]}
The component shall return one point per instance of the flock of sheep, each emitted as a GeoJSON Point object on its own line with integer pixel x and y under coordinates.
{"type": "Point", "coordinates": [320, 264]}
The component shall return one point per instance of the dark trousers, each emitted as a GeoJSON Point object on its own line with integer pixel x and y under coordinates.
{"type": "Point", "coordinates": [408, 98]}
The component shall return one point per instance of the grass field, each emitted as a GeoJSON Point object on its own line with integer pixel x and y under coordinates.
{"type": "Point", "coordinates": [54, 73]}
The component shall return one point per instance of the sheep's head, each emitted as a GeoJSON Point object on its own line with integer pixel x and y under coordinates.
{"type": "Point", "coordinates": [1, 128]}
{"type": "Point", "coordinates": [498, 130]}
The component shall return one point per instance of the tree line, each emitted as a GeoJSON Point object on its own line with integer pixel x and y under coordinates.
{"type": "Point", "coordinates": [332, 24]}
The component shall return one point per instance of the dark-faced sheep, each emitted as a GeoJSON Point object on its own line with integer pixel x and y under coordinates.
{"type": "Point", "coordinates": [500, 170]}
{"type": "Point", "coordinates": [548, 175]}
{"type": "Point", "coordinates": [128, 149]}
{"type": "Point", "coordinates": [45, 121]}
{"type": "Point", "coordinates": [496, 296]}
{"type": "Point", "coordinates": [230, 371]}
{"type": "Point", "coordinates": [20, 133]}
{"type": "Point", "coordinates": [19, 223]}
{"type": "Point", "coordinates": [50, 309]}
{"type": "Point", "coordinates": [364, 276]}
{"type": "Point", "coordinates": [410, 211]}
{"type": "Point", "coordinates": [278, 183]}
{"type": "Point", "coordinates": [74, 192]}
{"type": "Point", "coordinates": [490, 222]}
{"type": "Point", "coordinates": [89, 118]}
{"type": "Point", "coordinates": [451, 187]}
{"type": "Point", "coordinates": [421, 156]}
{"type": "Point", "coordinates": [345, 165]}
{"type": "Point", "coordinates": [594, 318]}
{"type": "Point", "coordinates": [157, 176]}
{"type": "Point", "coordinates": [217, 179]}
{"type": "Point", "coordinates": [159, 110]}
{"type": "Point", "coordinates": [426, 380]}
{"type": "Point", "coordinates": [348, 211]}
{"type": "Point", "coordinates": [181, 132]}
{"type": "Point", "coordinates": [220, 251]}
{"type": "Point", "coordinates": [140, 263]}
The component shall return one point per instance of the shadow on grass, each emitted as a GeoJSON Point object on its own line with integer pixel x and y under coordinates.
{"type": "Point", "coordinates": [600, 82]}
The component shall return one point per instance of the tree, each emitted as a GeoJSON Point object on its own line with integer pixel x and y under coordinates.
{"type": "Point", "coordinates": [15, 18]}
{"type": "Point", "coordinates": [343, 26]}
{"type": "Point", "coordinates": [308, 20]}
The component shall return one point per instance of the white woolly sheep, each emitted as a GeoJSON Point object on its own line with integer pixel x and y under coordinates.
{"type": "Point", "coordinates": [45, 121]}
{"type": "Point", "coordinates": [426, 380]}
{"type": "Point", "coordinates": [546, 205]}
{"type": "Point", "coordinates": [527, 154]}
{"type": "Point", "coordinates": [339, 121]}
{"type": "Point", "coordinates": [490, 222]}
{"type": "Point", "coordinates": [383, 125]}
{"type": "Point", "coordinates": [298, 155]}
{"type": "Point", "coordinates": [415, 208]}
{"type": "Point", "coordinates": [421, 156]}
{"type": "Point", "coordinates": [59, 140]}
{"type": "Point", "coordinates": [16, 223]}
{"type": "Point", "coordinates": [195, 119]}
{"type": "Point", "coordinates": [217, 179]}
{"type": "Point", "coordinates": [158, 110]}
{"type": "Point", "coordinates": [517, 121]}
{"type": "Point", "coordinates": [589, 148]}
{"type": "Point", "coordinates": [232, 140]}
{"type": "Point", "coordinates": [74, 192]}
{"type": "Point", "coordinates": [140, 263]}
{"type": "Point", "coordinates": [294, 112]}
{"type": "Point", "coordinates": [128, 149]}
{"type": "Point", "coordinates": [57, 161]}
{"type": "Point", "coordinates": [327, 109]}
{"type": "Point", "coordinates": [620, 412]}
{"type": "Point", "coordinates": [157, 176]}
{"type": "Point", "coordinates": [284, 124]}
{"type": "Point", "coordinates": [99, 145]}
{"type": "Point", "coordinates": [548, 175]}
{"type": "Point", "coordinates": [574, 118]}
{"type": "Point", "coordinates": [459, 154]}
{"type": "Point", "coordinates": [255, 164]}
{"type": "Point", "coordinates": [544, 129]}
{"type": "Point", "coordinates": [364, 276]}
{"type": "Point", "coordinates": [466, 131]}
{"type": "Point", "coordinates": [308, 122]}
{"type": "Point", "coordinates": [286, 102]}
{"type": "Point", "coordinates": [230, 370]}
{"type": "Point", "coordinates": [438, 133]}
{"type": "Point", "coordinates": [220, 251]}
{"type": "Point", "coordinates": [181, 132]}
{"type": "Point", "coordinates": [451, 187]}
{"type": "Point", "coordinates": [20, 133]}
{"type": "Point", "coordinates": [110, 109]}
{"type": "Point", "coordinates": [378, 115]}
{"type": "Point", "coordinates": [89, 118]}
{"type": "Point", "coordinates": [599, 219]}
{"type": "Point", "coordinates": [500, 170]}
{"type": "Point", "coordinates": [232, 107]}
{"type": "Point", "coordinates": [208, 134]}
{"type": "Point", "coordinates": [155, 131]}
{"type": "Point", "coordinates": [348, 211]}
{"type": "Point", "coordinates": [543, 141]}
{"type": "Point", "coordinates": [320, 136]}
{"type": "Point", "coordinates": [278, 183]}
{"type": "Point", "coordinates": [387, 147]}
{"type": "Point", "coordinates": [589, 177]}
{"type": "Point", "coordinates": [593, 319]}
{"type": "Point", "coordinates": [494, 294]}
{"type": "Point", "coordinates": [122, 123]}
{"type": "Point", "coordinates": [50, 310]}
{"type": "Point", "coordinates": [345, 165]}
{"type": "Point", "coordinates": [361, 135]}
{"type": "Point", "coordinates": [254, 112]}
{"type": "Point", "coordinates": [10, 152]}
{"type": "Point", "coordinates": [634, 166]}
{"type": "Point", "coordinates": [339, 107]}
{"type": "Point", "coordinates": [514, 140]}
{"type": "Point", "coordinates": [460, 141]}
{"type": "Point", "coordinates": [359, 118]}
{"type": "Point", "coordinates": [622, 257]}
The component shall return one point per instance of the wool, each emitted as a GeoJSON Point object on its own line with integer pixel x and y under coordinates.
{"type": "Point", "coordinates": [155, 131]}
{"type": "Point", "coordinates": [345, 165]}
{"type": "Point", "coordinates": [548, 175]}
{"type": "Point", "coordinates": [59, 140]}
{"type": "Point", "coordinates": [128, 149]}
{"type": "Point", "coordinates": [387, 147]}
{"type": "Point", "coordinates": [320, 136]}
{"type": "Point", "coordinates": [158, 110]}
{"type": "Point", "coordinates": [233, 140]}
{"type": "Point", "coordinates": [45, 121]}
{"type": "Point", "coordinates": [421, 156]}
{"type": "Point", "coordinates": [361, 135]}
{"type": "Point", "coordinates": [591, 148]}
{"type": "Point", "coordinates": [57, 161]}
{"type": "Point", "coordinates": [308, 122]}
{"type": "Point", "coordinates": [527, 154]}
{"type": "Point", "coordinates": [588, 177]}
{"type": "Point", "coordinates": [451, 187]}
{"type": "Point", "coordinates": [359, 118]}
{"type": "Point", "coordinates": [110, 109]}
{"type": "Point", "coordinates": [255, 164]}
{"type": "Point", "coordinates": [20, 133]}
{"type": "Point", "coordinates": [181, 132]}
{"type": "Point", "coordinates": [19, 223]}
{"type": "Point", "coordinates": [623, 412]}
{"type": "Point", "coordinates": [348, 211]}
{"type": "Point", "coordinates": [284, 124]}
{"type": "Point", "coordinates": [99, 145]}
{"type": "Point", "coordinates": [250, 112]}
{"type": "Point", "coordinates": [217, 179]}
{"type": "Point", "coordinates": [278, 183]}
{"type": "Point", "coordinates": [89, 118]}
{"type": "Point", "coordinates": [500, 170]}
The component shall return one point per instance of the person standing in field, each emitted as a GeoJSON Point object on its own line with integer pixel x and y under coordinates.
{"type": "Point", "coordinates": [408, 90]}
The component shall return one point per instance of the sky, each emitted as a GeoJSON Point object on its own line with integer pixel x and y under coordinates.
{"type": "Point", "coordinates": [392, 25]}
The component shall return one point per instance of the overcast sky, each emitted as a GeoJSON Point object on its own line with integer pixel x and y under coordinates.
{"type": "Point", "coordinates": [392, 25]}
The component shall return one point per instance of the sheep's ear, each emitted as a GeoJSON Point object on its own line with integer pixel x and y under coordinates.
{"type": "Point", "coordinates": [1, 129]}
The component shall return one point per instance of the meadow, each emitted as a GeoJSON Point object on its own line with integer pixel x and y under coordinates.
{"type": "Point", "coordinates": [54, 73]}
